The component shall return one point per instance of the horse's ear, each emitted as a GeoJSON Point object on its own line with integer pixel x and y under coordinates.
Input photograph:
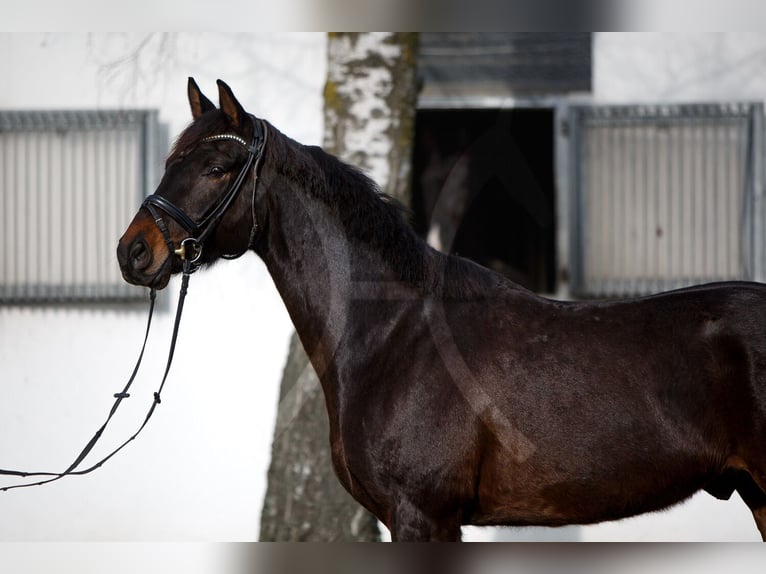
{"type": "Point", "coordinates": [197, 100]}
{"type": "Point", "coordinates": [229, 104]}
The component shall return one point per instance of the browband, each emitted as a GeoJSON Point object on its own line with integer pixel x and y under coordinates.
{"type": "Point", "coordinates": [234, 137]}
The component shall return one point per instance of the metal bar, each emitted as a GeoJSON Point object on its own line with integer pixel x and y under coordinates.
{"type": "Point", "coordinates": [718, 261]}
{"type": "Point", "coordinates": [99, 274]}
{"type": "Point", "coordinates": [47, 257]}
{"type": "Point", "coordinates": [76, 211]}
{"type": "Point", "coordinates": [586, 219]}
{"type": "Point", "coordinates": [626, 194]}
{"type": "Point", "coordinates": [636, 214]}
{"type": "Point", "coordinates": [695, 186]}
{"type": "Point", "coordinates": [39, 228]}
{"type": "Point", "coordinates": [22, 208]}
{"type": "Point", "coordinates": [64, 257]}
{"type": "Point", "coordinates": [757, 148]}
{"type": "Point", "coordinates": [669, 196]}
{"type": "Point", "coordinates": [656, 231]}
{"type": "Point", "coordinates": [119, 173]}
{"type": "Point", "coordinates": [599, 208]}
{"type": "Point", "coordinates": [706, 233]}
{"type": "Point", "coordinates": [746, 208]}
{"type": "Point", "coordinates": [7, 249]}
{"type": "Point", "coordinates": [731, 223]}
{"type": "Point", "coordinates": [87, 221]}
{"type": "Point", "coordinates": [683, 212]}
{"type": "Point", "coordinates": [579, 165]}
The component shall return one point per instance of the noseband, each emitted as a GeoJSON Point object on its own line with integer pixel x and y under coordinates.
{"type": "Point", "coordinates": [190, 248]}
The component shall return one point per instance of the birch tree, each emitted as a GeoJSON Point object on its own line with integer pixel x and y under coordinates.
{"type": "Point", "coordinates": [369, 122]}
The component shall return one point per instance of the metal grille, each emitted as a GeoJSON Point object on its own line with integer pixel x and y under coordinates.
{"type": "Point", "coordinates": [665, 196]}
{"type": "Point", "coordinates": [69, 184]}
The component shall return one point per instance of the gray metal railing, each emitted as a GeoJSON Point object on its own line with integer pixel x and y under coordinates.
{"type": "Point", "coordinates": [70, 181]}
{"type": "Point", "coordinates": [665, 196]}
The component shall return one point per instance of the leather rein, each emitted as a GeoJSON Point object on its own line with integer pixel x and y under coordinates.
{"type": "Point", "coordinates": [190, 253]}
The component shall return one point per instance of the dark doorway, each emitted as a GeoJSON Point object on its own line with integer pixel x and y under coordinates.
{"type": "Point", "coordinates": [483, 188]}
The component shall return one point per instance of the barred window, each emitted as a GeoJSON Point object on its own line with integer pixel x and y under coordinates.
{"type": "Point", "coordinates": [665, 196]}
{"type": "Point", "coordinates": [70, 181]}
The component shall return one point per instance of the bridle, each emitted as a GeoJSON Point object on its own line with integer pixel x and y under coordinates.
{"type": "Point", "coordinates": [190, 252]}
{"type": "Point", "coordinates": [190, 248]}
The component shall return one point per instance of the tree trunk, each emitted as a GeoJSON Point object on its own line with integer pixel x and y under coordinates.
{"type": "Point", "coordinates": [369, 122]}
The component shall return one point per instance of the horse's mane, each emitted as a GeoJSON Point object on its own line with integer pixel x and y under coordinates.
{"type": "Point", "coordinates": [375, 219]}
{"type": "Point", "coordinates": [371, 217]}
{"type": "Point", "coordinates": [366, 215]}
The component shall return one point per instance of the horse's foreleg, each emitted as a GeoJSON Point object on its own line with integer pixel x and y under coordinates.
{"type": "Point", "coordinates": [410, 524]}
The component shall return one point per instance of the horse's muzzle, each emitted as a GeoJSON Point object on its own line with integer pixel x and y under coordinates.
{"type": "Point", "coordinates": [142, 261]}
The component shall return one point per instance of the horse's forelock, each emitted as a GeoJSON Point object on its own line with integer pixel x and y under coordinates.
{"type": "Point", "coordinates": [211, 123]}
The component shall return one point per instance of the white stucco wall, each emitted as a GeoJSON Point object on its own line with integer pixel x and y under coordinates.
{"type": "Point", "coordinates": [679, 67]}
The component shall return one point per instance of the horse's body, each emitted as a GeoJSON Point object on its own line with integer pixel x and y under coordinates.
{"type": "Point", "coordinates": [457, 397]}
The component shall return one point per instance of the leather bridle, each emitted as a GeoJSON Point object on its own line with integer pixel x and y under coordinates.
{"type": "Point", "coordinates": [190, 248]}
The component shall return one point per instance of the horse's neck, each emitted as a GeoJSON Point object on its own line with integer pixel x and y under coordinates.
{"type": "Point", "coordinates": [316, 267]}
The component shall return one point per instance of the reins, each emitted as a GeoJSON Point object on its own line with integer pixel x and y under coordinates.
{"type": "Point", "coordinates": [199, 233]}
{"type": "Point", "coordinates": [72, 470]}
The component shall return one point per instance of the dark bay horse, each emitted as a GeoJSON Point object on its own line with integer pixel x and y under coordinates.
{"type": "Point", "coordinates": [454, 395]}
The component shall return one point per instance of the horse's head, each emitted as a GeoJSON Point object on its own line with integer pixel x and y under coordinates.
{"type": "Point", "coordinates": [197, 214]}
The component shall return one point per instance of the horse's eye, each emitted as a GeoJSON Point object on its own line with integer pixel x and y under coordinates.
{"type": "Point", "coordinates": [215, 171]}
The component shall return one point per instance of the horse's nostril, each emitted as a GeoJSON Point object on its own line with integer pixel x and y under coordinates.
{"type": "Point", "coordinates": [139, 253]}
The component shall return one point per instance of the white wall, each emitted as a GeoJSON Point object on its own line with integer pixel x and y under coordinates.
{"type": "Point", "coordinates": [198, 472]}
{"type": "Point", "coordinates": [673, 67]}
